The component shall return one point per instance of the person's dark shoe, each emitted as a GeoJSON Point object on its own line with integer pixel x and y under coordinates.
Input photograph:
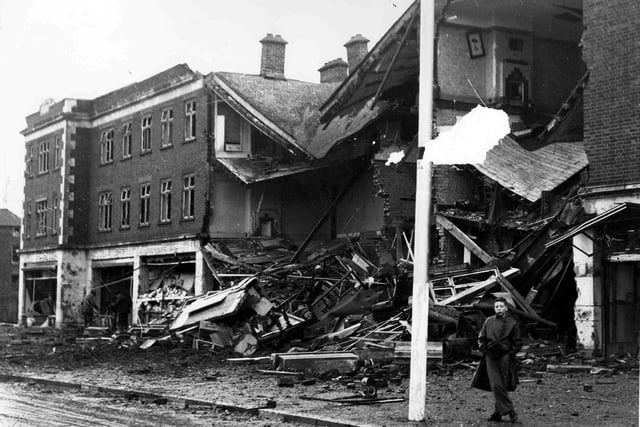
{"type": "Point", "coordinates": [513, 417]}
{"type": "Point", "coordinates": [495, 417]}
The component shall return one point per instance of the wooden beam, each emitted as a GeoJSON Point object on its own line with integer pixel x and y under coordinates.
{"type": "Point", "coordinates": [393, 60]}
{"type": "Point", "coordinates": [464, 239]}
{"type": "Point", "coordinates": [491, 281]}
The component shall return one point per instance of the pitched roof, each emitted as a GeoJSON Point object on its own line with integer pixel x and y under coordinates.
{"type": "Point", "coordinates": [288, 110]}
{"type": "Point", "coordinates": [529, 173]}
{"type": "Point", "coordinates": [8, 218]}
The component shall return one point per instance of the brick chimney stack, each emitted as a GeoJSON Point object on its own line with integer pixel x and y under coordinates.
{"type": "Point", "coordinates": [272, 61]}
{"type": "Point", "coordinates": [334, 71]}
{"type": "Point", "coordinates": [356, 50]}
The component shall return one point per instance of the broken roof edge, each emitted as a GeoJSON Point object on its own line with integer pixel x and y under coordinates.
{"type": "Point", "coordinates": [585, 225]}
{"type": "Point", "coordinates": [250, 113]}
{"type": "Point", "coordinates": [234, 166]}
{"type": "Point", "coordinates": [328, 108]}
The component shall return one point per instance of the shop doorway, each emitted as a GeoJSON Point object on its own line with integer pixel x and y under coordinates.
{"type": "Point", "coordinates": [40, 297]}
{"type": "Point", "coordinates": [108, 281]}
{"type": "Point", "coordinates": [622, 303]}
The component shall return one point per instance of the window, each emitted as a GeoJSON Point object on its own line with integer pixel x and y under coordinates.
{"type": "Point", "coordinates": [145, 198]}
{"type": "Point", "coordinates": [30, 161]}
{"type": "Point", "coordinates": [106, 204]}
{"type": "Point", "coordinates": [125, 208]}
{"type": "Point", "coordinates": [41, 214]}
{"type": "Point", "coordinates": [166, 127]}
{"type": "Point", "coordinates": [43, 157]}
{"type": "Point", "coordinates": [146, 134]}
{"type": "Point", "coordinates": [15, 254]}
{"type": "Point", "coordinates": [190, 120]}
{"type": "Point", "coordinates": [54, 214]}
{"type": "Point", "coordinates": [106, 146]}
{"type": "Point", "coordinates": [188, 193]}
{"type": "Point", "coordinates": [126, 140]}
{"type": "Point", "coordinates": [27, 221]}
{"type": "Point", "coordinates": [57, 152]}
{"type": "Point", "coordinates": [165, 200]}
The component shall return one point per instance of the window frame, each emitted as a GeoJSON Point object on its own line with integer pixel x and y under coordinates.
{"type": "Point", "coordinates": [145, 204]}
{"type": "Point", "coordinates": [27, 221]}
{"type": "Point", "coordinates": [125, 207]}
{"type": "Point", "coordinates": [107, 137]}
{"type": "Point", "coordinates": [41, 216]}
{"type": "Point", "coordinates": [166, 127]}
{"type": "Point", "coordinates": [188, 196]}
{"type": "Point", "coordinates": [145, 136]}
{"type": "Point", "coordinates": [54, 216]}
{"type": "Point", "coordinates": [190, 120]}
{"type": "Point", "coordinates": [127, 139]}
{"type": "Point", "coordinates": [165, 200]}
{"type": "Point", "coordinates": [43, 157]}
{"type": "Point", "coordinates": [30, 151]}
{"type": "Point", "coordinates": [105, 211]}
{"type": "Point", "coordinates": [57, 152]}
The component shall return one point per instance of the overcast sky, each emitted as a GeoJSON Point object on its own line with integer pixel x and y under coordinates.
{"type": "Point", "coordinates": [83, 49]}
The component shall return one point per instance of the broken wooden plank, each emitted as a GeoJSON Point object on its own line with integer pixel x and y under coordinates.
{"type": "Point", "coordinates": [464, 239]}
{"type": "Point", "coordinates": [507, 286]}
{"type": "Point", "coordinates": [480, 286]}
{"type": "Point", "coordinates": [316, 362]}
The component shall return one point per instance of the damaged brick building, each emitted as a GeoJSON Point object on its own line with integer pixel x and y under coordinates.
{"type": "Point", "coordinates": [123, 191]}
{"type": "Point", "coordinates": [269, 157]}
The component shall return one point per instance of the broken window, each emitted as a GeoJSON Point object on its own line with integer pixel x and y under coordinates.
{"type": "Point", "coordinates": [165, 200]}
{"type": "Point", "coordinates": [145, 198]}
{"type": "Point", "coordinates": [125, 208]}
{"type": "Point", "coordinates": [166, 128]}
{"type": "Point", "coordinates": [126, 140]}
{"type": "Point", "coordinates": [105, 204]}
{"type": "Point", "coordinates": [190, 120]}
{"type": "Point", "coordinates": [106, 146]}
{"type": "Point", "coordinates": [43, 157]}
{"type": "Point", "coordinates": [41, 214]}
{"type": "Point", "coordinates": [188, 193]}
{"type": "Point", "coordinates": [146, 134]}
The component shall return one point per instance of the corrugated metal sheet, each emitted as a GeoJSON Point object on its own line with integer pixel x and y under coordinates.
{"type": "Point", "coordinates": [529, 173]}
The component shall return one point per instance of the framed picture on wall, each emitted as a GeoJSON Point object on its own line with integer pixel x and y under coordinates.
{"type": "Point", "coordinates": [476, 47]}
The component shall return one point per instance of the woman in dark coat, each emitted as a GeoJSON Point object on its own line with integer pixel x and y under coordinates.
{"type": "Point", "coordinates": [499, 341]}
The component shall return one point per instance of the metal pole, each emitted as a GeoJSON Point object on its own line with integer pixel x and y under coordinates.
{"type": "Point", "coordinates": [420, 305]}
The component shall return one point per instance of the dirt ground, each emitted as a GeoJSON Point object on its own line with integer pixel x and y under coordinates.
{"type": "Point", "coordinates": [542, 399]}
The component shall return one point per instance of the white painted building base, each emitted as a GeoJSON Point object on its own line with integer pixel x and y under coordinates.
{"type": "Point", "coordinates": [75, 272]}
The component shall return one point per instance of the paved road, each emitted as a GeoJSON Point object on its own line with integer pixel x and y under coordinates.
{"type": "Point", "coordinates": [23, 404]}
